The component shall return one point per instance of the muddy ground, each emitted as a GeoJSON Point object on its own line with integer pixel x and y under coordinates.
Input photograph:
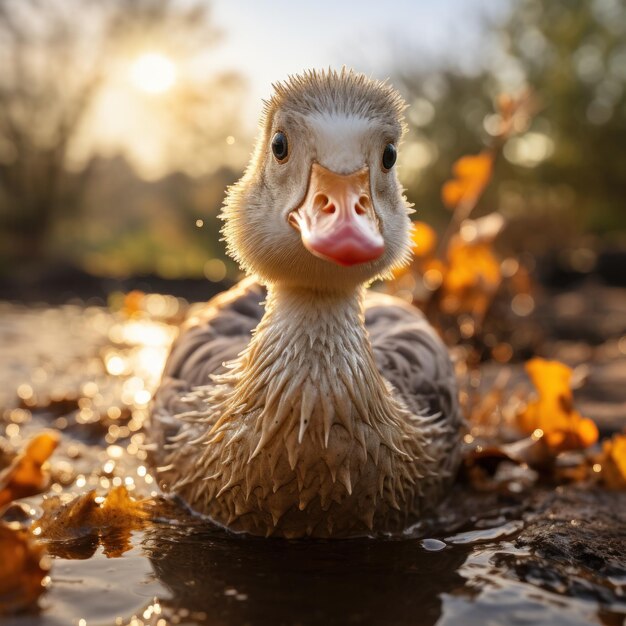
{"type": "Point", "coordinates": [554, 553]}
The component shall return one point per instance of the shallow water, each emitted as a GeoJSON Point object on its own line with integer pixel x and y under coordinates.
{"type": "Point", "coordinates": [90, 373]}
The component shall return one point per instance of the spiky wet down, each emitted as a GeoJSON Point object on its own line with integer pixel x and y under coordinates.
{"type": "Point", "coordinates": [332, 452]}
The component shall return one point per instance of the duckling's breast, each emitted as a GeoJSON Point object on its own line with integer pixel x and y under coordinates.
{"type": "Point", "coordinates": [356, 485]}
{"type": "Point", "coordinates": [361, 455]}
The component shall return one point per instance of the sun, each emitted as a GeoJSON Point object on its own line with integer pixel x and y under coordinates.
{"type": "Point", "coordinates": [153, 72]}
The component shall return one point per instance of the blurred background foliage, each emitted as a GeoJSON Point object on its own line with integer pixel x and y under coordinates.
{"type": "Point", "coordinates": [117, 142]}
{"type": "Point", "coordinates": [564, 177]}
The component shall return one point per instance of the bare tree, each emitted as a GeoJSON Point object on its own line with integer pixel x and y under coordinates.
{"type": "Point", "coordinates": [55, 58]}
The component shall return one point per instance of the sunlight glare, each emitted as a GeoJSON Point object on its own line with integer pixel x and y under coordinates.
{"type": "Point", "coordinates": [153, 73]}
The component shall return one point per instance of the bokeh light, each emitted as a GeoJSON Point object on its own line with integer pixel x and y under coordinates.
{"type": "Point", "coordinates": [153, 73]}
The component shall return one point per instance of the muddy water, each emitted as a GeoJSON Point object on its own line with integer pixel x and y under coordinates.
{"type": "Point", "coordinates": [486, 559]}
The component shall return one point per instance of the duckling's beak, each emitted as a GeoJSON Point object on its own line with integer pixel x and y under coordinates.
{"type": "Point", "coordinates": [336, 220]}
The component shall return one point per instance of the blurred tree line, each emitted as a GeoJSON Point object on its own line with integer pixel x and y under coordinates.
{"type": "Point", "coordinates": [64, 197]}
{"type": "Point", "coordinates": [564, 179]}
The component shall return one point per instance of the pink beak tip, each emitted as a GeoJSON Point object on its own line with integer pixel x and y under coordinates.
{"type": "Point", "coordinates": [346, 253]}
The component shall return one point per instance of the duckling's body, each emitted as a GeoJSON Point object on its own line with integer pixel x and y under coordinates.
{"type": "Point", "coordinates": [338, 415]}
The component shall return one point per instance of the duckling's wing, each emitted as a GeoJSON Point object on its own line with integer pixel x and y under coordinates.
{"type": "Point", "coordinates": [213, 334]}
{"type": "Point", "coordinates": [412, 357]}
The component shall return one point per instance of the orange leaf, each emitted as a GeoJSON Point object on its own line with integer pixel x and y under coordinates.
{"type": "Point", "coordinates": [587, 432]}
{"type": "Point", "coordinates": [23, 569]}
{"type": "Point", "coordinates": [25, 476]}
{"type": "Point", "coordinates": [423, 244]}
{"type": "Point", "coordinates": [452, 193]}
{"type": "Point", "coordinates": [471, 175]}
{"type": "Point", "coordinates": [553, 415]}
{"type": "Point", "coordinates": [423, 238]}
{"type": "Point", "coordinates": [474, 166]}
{"type": "Point", "coordinates": [111, 519]}
{"type": "Point", "coordinates": [472, 275]}
{"type": "Point", "coordinates": [613, 462]}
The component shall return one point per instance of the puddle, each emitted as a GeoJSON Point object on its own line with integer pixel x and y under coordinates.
{"type": "Point", "coordinates": [90, 373]}
{"type": "Point", "coordinates": [97, 590]}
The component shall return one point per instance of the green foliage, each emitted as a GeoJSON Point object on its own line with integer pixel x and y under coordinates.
{"type": "Point", "coordinates": [573, 56]}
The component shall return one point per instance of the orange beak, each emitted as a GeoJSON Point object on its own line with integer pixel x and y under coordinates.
{"type": "Point", "coordinates": [336, 220]}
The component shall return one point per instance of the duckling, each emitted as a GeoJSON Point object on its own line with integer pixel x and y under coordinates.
{"type": "Point", "coordinates": [312, 406]}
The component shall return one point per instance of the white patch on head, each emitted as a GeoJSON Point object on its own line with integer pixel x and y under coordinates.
{"type": "Point", "coordinates": [340, 140]}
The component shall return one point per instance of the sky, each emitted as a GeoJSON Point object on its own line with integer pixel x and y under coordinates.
{"type": "Point", "coordinates": [266, 41]}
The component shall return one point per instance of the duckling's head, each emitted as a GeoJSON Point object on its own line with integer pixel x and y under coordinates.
{"type": "Point", "coordinates": [320, 205]}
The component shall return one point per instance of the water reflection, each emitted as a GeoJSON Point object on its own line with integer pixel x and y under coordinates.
{"type": "Point", "coordinates": [234, 581]}
{"type": "Point", "coordinates": [478, 574]}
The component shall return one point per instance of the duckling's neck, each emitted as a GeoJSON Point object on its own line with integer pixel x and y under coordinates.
{"type": "Point", "coordinates": [327, 327]}
{"type": "Point", "coordinates": [310, 367]}
{"type": "Point", "coordinates": [303, 415]}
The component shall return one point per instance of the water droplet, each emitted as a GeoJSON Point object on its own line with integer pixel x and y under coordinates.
{"type": "Point", "coordinates": [433, 545]}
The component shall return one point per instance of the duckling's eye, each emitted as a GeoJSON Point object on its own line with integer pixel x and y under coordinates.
{"type": "Point", "coordinates": [279, 146]}
{"type": "Point", "coordinates": [389, 156]}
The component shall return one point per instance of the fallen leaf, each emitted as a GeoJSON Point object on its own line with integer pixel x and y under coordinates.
{"type": "Point", "coordinates": [109, 520]}
{"type": "Point", "coordinates": [613, 462]}
{"type": "Point", "coordinates": [24, 569]}
{"type": "Point", "coordinates": [483, 461]}
{"type": "Point", "coordinates": [552, 414]}
{"type": "Point", "coordinates": [26, 475]}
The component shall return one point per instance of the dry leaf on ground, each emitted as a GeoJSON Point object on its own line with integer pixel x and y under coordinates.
{"type": "Point", "coordinates": [23, 569]}
{"type": "Point", "coordinates": [552, 414]}
{"type": "Point", "coordinates": [613, 462]}
{"type": "Point", "coordinates": [26, 475]}
{"type": "Point", "coordinates": [109, 519]}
